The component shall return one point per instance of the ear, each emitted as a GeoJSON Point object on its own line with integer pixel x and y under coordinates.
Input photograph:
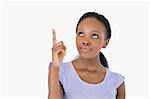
{"type": "Point", "coordinates": [106, 43]}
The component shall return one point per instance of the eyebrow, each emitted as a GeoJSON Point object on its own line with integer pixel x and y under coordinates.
{"type": "Point", "coordinates": [92, 31]}
{"type": "Point", "coordinates": [97, 32]}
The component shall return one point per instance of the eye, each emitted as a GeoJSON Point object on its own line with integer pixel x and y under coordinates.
{"type": "Point", "coordinates": [95, 36]}
{"type": "Point", "coordinates": [80, 34]}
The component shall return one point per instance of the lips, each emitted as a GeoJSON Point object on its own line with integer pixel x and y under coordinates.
{"type": "Point", "coordinates": [85, 49]}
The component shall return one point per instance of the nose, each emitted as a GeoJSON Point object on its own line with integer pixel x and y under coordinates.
{"type": "Point", "coordinates": [86, 42]}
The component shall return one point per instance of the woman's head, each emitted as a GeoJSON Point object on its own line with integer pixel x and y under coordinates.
{"type": "Point", "coordinates": [99, 18]}
{"type": "Point", "coordinates": [93, 33]}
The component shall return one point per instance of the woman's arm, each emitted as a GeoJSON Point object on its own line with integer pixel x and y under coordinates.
{"type": "Point", "coordinates": [58, 53]}
{"type": "Point", "coordinates": [55, 89]}
{"type": "Point", "coordinates": [121, 91]}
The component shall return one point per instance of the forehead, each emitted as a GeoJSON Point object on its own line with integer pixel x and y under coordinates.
{"type": "Point", "coordinates": [92, 23]}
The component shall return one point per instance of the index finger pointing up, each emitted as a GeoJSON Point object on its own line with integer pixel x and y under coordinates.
{"type": "Point", "coordinates": [54, 38]}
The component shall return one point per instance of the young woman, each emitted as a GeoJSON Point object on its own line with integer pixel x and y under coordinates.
{"type": "Point", "coordinates": [88, 76]}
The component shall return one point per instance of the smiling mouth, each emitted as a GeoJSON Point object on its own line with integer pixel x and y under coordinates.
{"type": "Point", "coordinates": [85, 49]}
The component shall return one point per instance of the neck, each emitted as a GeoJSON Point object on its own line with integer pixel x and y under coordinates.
{"type": "Point", "coordinates": [89, 63]}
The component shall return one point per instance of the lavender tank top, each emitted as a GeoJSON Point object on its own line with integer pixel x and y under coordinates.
{"type": "Point", "coordinates": [75, 88]}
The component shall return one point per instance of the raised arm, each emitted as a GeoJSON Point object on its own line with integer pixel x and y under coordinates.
{"type": "Point", "coordinates": [58, 53]}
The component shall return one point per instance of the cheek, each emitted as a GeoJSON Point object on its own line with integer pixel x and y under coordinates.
{"type": "Point", "coordinates": [97, 45]}
{"type": "Point", "coordinates": [78, 41]}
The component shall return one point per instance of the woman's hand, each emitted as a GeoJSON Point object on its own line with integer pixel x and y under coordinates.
{"type": "Point", "coordinates": [58, 51]}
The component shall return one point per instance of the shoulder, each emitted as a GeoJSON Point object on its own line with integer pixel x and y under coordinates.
{"type": "Point", "coordinates": [65, 65]}
{"type": "Point", "coordinates": [117, 78]}
{"type": "Point", "coordinates": [115, 74]}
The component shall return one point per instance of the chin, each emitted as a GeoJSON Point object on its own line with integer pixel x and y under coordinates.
{"type": "Point", "coordinates": [85, 56]}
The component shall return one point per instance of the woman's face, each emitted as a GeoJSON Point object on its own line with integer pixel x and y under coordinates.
{"type": "Point", "coordinates": [90, 37]}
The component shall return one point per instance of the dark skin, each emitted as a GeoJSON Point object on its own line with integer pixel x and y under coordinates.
{"type": "Point", "coordinates": [89, 75]}
{"type": "Point", "coordinates": [90, 40]}
{"type": "Point", "coordinates": [91, 35]}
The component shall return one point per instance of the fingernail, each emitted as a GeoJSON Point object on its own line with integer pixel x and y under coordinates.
{"type": "Point", "coordinates": [53, 30]}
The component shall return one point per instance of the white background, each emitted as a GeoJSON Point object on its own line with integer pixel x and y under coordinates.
{"type": "Point", "coordinates": [26, 41]}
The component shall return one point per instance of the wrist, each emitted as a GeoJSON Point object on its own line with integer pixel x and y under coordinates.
{"type": "Point", "coordinates": [55, 68]}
